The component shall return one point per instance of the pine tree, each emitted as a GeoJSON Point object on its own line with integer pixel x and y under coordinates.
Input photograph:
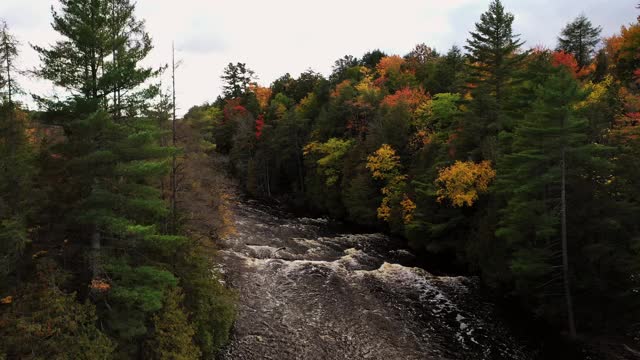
{"type": "Point", "coordinates": [112, 160]}
{"type": "Point", "coordinates": [98, 57]}
{"type": "Point", "coordinates": [580, 38]}
{"type": "Point", "coordinates": [16, 160]}
{"type": "Point", "coordinates": [173, 333]}
{"type": "Point", "coordinates": [237, 78]}
{"type": "Point", "coordinates": [552, 143]}
{"type": "Point", "coordinates": [494, 55]}
{"type": "Point", "coordinates": [8, 54]}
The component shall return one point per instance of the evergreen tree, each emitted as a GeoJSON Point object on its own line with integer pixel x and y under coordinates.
{"type": "Point", "coordinates": [236, 80]}
{"type": "Point", "coordinates": [44, 322]}
{"type": "Point", "coordinates": [173, 334]}
{"type": "Point", "coordinates": [8, 54]}
{"type": "Point", "coordinates": [112, 159]}
{"type": "Point", "coordinates": [98, 57]}
{"type": "Point", "coordinates": [580, 38]}
{"type": "Point", "coordinates": [16, 161]}
{"type": "Point", "coordinates": [494, 55]}
{"type": "Point", "coordinates": [552, 143]}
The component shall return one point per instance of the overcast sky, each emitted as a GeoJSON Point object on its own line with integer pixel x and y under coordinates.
{"type": "Point", "coordinates": [278, 36]}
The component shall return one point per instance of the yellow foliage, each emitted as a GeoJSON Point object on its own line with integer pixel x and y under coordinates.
{"type": "Point", "coordinates": [408, 208]}
{"type": "Point", "coordinates": [6, 300]}
{"type": "Point", "coordinates": [263, 94]}
{"type": "Point", "coordinates": [462, 182]}
{"type": "Point", "coordinates": [596, 93]}
{"type": "Point", "coordinates": [384, 211]}
{"type": "Point", "coordinates": [384, 163]}
{"type": "Point", "coordinates": [306, 105]}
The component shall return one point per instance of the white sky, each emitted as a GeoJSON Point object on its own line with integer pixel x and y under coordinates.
{"type": "Point", "coordinates": [278, 36]}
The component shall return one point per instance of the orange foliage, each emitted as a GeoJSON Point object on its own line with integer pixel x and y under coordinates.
{"type": "Point", "coordinates": [390, 64]}
{"type": "Point", "coordinates": [263, 94]}
{"type": "Point", "coordinates": [411, 97]}
{"type": "Point", "coordinates": [340, 88]}
{"type": "Point", "coordinates": [561, 58]}
{"type": "Point", "coordinates": [421, 138]}
{"type": "Point", "coordinates": [100, 285]}
{"type": "Point", "coordinates": [628, 42]}
{"type": "Point", "coordinates": [627, 127]}
{"type": "Point", "coordinates": [408, 208]}
{"type": "Point", "coordinates": [6, 300]}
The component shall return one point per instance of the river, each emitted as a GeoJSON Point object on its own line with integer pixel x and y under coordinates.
{"type": "Point", "coordinates": [309, 289]}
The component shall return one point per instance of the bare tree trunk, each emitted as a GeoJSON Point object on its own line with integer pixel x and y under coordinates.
{"type": "Point", "coordinates": [95, 252]}
{"type": "Point", "coordinates": [173, 142]}
{"type": "Point", "coordinates": [565, 255]}
{"type": "Point", "coordinates": [299, 165]}
{"type": "Point", "coordinates": [268, 180]}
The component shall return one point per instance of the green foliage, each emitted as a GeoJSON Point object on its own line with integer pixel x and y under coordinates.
{"type": "Point", "coordinates": [211, 306]}
{"type": "Point", "coordinates": [136, 293]}
{"type": "Point", "coordinates": [380, 149]}
{"type": "Point", "coordinates": [440, 113]}
{"type": "Point", "coordinates": [44, 322]}
{"type": "Point", "coordinates": [236, 79]}
{"type": "Point", "coordinates": [494, 57]}
{"type": "Point", "coordinates": [98, 54]}
{"type": "Point", "coordinates": [580, 39]}
{"type": "Point", "coordinates": [172, 337]}
{"type": "Point", "coordinates": [330, 158]}
{"type": "Point", "coordinates": [530, 223]}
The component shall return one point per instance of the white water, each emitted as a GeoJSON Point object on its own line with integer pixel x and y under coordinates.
{"type": "Point", "coordinates": [309, 293]}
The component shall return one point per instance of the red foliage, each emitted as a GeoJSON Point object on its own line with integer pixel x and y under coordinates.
{"type": "Point", "coordinates": [411, 97]}
{"type": "Point", "coordinates": [259, 126]}
{"type": "Point", "coordinates": [561, 58]}
{"type": "Point", "coordinates": [233, 108]}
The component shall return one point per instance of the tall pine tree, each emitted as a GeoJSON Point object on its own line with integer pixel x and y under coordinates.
{"type": "Point", "coordinates": [112, 160]}
{"type": "Point", "coordinates": [16, 161]}
{"type": "Point", "coordinates": [494, 55]}
{"type": "Point", "coordinates": [552, 143]}
{"type": "Point", "coordinates": [98, 57]}
{"type": "Point", "coordinates": [580, 38]}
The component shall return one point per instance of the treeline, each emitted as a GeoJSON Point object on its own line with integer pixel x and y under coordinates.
{"type": "Point", "coordinates": [98, 258]}
{"type": "Point", "coordinates": [521, 164]}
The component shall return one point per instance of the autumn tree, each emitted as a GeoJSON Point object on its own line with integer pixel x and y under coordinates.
{"type": "Point", "coordinates": [580, 39]}
{"type": "Point", "coordinates": [463, 182]}
{"type": "Point", "coordinates": [385, 167]}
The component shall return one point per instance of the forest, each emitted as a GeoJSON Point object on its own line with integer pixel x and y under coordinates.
{"type": "Point", "coordinates": [516, 164]}
{"type": "Point", "coordinates": [98, 258]}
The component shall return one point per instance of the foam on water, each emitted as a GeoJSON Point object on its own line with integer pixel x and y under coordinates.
{"type": "Point", "coordinates": [307, 293]}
